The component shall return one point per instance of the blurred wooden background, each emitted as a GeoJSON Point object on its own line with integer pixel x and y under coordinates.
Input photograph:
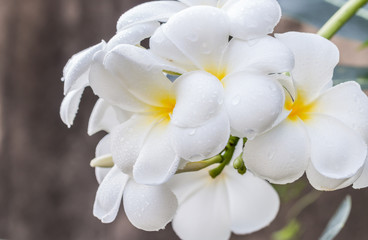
{"type": "Point", "coordinates": [47, 188]}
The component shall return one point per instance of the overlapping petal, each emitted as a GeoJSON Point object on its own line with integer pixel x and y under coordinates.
{"type": "Point", "coordinates": [109, 194]}
{"type": "Point", "coordinates": [252, 19]}
{"type": "Point", "coordinates": [202, 142]}
{"type": "Point", "coordinates": [69, 106]}
{"type": "Point", "coordinates": [336, 151]}
{"type": "Point", "coordinates": [205, 214]}
{"type": "Point", "coordinates": [199, 96]}
{"type": "Point", "coordinates": [157, 160]}
{"type": "Point", "coordinates": [133, 66]}
{"type": "Point", "coordinates": [347, 103]}
{"type": "Point", "coordinates": [280, 155]}
{"type": "Point", "coordinates": [105, 117]}
{"type": "Point", "coordinates": [315, 60]}
{"type": "Point", "coordinates": [362, 181]}
{"type": "Point", "coordinates": [149, 12]}
{"type": "Point", "coordinates": [149, 207]}
{"type": "Point", "coordinates": [253, 202]}
{"type": "Point", "coordinates": [111, 89]}
{"type": "Point", "coordinates": [201, 33]}
{"type": "Point", "coordinates": [265, 54]}
{"type": "Point", "coordinates": [253, 102]}
{"type": "Point", "coordinates": [127, 140]}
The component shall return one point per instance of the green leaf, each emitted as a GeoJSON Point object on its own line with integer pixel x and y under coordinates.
{"type": "Point", "coordinates": [345, 73]}
{"type": "Point", "coordinates": [317, 12]}
{"type": "Point", "coordinates": [338, 220]}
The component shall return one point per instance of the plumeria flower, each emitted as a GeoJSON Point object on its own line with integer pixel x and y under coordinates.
{"type": "Point", "coordinates": [169, 121]}
{"type": "Point", "coordinates": [248, 19]}
{"type": "Point", "coordinates": [213, 208]}
{"type": "Point", "coordinates": [76, 71]}
{"type": "Point", "coordinates": [147, 207]}
{"type": "Point", "coordinates": [197, 39]}
{"type": "Point", "coordinates": [325, 128]}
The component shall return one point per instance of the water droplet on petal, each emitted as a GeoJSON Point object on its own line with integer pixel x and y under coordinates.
{"type": "Point", "coordinates": [192, 132]}
{"type": "Point", "coordinates": [236, 100]}
{"type": "Point", "coordinates": [192, 37]}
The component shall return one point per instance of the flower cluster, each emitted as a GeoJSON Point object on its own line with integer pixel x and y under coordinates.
{"type": "Point", "coordinates": [214, 88]}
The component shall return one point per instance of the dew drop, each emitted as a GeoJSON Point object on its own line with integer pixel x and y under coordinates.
{"type": "Point", "coordinates": [192, 132]}
{"type": "Point", "coordinates": [192, 37]}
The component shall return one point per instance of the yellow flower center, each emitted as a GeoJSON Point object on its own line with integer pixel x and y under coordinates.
{"type": "Point", "coordinates": [163, 113]}
{"type": "Point", "coordinates": [299, 108]}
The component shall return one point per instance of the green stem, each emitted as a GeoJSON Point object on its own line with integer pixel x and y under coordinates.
{"type": "Point", "coordinates": [341, 17]}
{"type": "Point", "coordinates": [229, 151]}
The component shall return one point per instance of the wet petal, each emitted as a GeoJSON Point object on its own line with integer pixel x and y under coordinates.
{"type": "Point", "coordinates": [157, 161]}
{"type": "Point", "coordinates": [75, 73]}
{"type": "Point", "coordinates": [132, 35]}
{"type": "Point", "coordinates": [253, 202]}
{"type": "Point", "coordinates": [69, 106]}
{"type": "Point", "coordinates": [315, 60]}
{"type": "Point", "coordinates": [127, 141]}
{"type": "Point", "coordinates": [205, 214]}
{"type": "Point", "coordinates": [199, 2]}
{"type": "Point", "coordinates": [251, 19]}
{"type": "Point", "coordinates": [362, 181]}
{"type": "Point", "coordinates": [253, 103]}
{"type": "Point", "coordinates": [112, 90]}
{"type": "Point", "coordinates": [258, 55]}
{"type": "Point", "coordinates": [148, 12]}
{"type": "Point", "coordinates": [337, 151]}
{"type": "Point", "coordinates": [105, 117]}
{"type": "Point", "coordinates": [347, 103]}
{"type": "Point", "coordinates": [280, 155]}
{"type": "Point", "coordinates": [101, 173]}
{"type": "Point", "coordinates": [149, 207]}
{"type": "Point", "coordinates": [323, 183]}
{"type": "Point", "coordinates": [203, 142]}
{"type": "Point", "coordinates": [140, 72]}
{"type": "Point", "coordinates": [199, 96]}
{"type": "Point", "coordinates": [201, 33]}
{"type": "Point", "coordinates": [109, 194]}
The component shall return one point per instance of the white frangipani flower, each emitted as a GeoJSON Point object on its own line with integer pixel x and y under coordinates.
{"type": "Point", "coordinates": [147, 207]}
{"type": "Point", "coordinates": [248, 19]}
{"type": "Point", "coordinates": [76, 71]}
{"type": "Point", "coordinates": [213, 208]}
{"type": "Point", "coordinates": [169, 121]}
{"type": "Point", "coordinates": [325, 128]}
{"type": "Point", "coordinates": [197, 38]}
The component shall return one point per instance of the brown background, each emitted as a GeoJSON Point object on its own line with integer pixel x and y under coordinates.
{"type": "Point", "coordinates": [47, 188]}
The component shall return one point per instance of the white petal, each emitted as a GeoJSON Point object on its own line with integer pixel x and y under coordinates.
{"type": "Point", "coordinates": [347, 103]}
{"type": "Point", "coordinates": [69, 106]}
{"type": "Point", "coordinates": [323, 183]}
{"type": "Point", "coordinates": [157, 160]}
{"type": "Point", "coordinates": [253, 202]}
{"type": "Point", "coordinates": [337, 151]}
{"type": "Point", "coordinates": [132, 35]}
{"type": "Point", "coordinates": [251, 19]}
{"type": "Point", "coordinates": [203, 142]}
{"type": "Point", "coordinates": [147, 12]}
{"type": "Point", "coordinates": [253, 103]}
{"type": "Point", "coordinates": [315, 60]}
{"type": "Point", "coordinates": [109, 194]}
{"type": "Point", "coordinates": [105, 117]}
{"type": "Point", "coordinates": [101, 173]}
{"type": "Point", "coordinates": [205, 214]}
{"type": "Point", "coordinates": [75, 73]}
{"type": "Point", "coordinates": [280, 155]}
{"type": "Point", "coordinates": [199, 2]}
{"type": "Point", "coordinates": [104, 146]}
{"type": "Point", "coordinates": [199, 96]}
{"type": "Point", "coordinates": [258, 55]}
{"type": "Point", "coordinates": [140, 72]}
{"type": "Point", "coordinates": [149, 207]}
{"type": "Point", "coordinates": [201, 33]}
{"type": "Point", "coordinates": [127, 141]}
{"type": "Point", "coordinates": [162, 46]}
{"type": "Point", "coordinates": [111, 89]}
{"type": "Point", "coordinates": [362, 181]}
